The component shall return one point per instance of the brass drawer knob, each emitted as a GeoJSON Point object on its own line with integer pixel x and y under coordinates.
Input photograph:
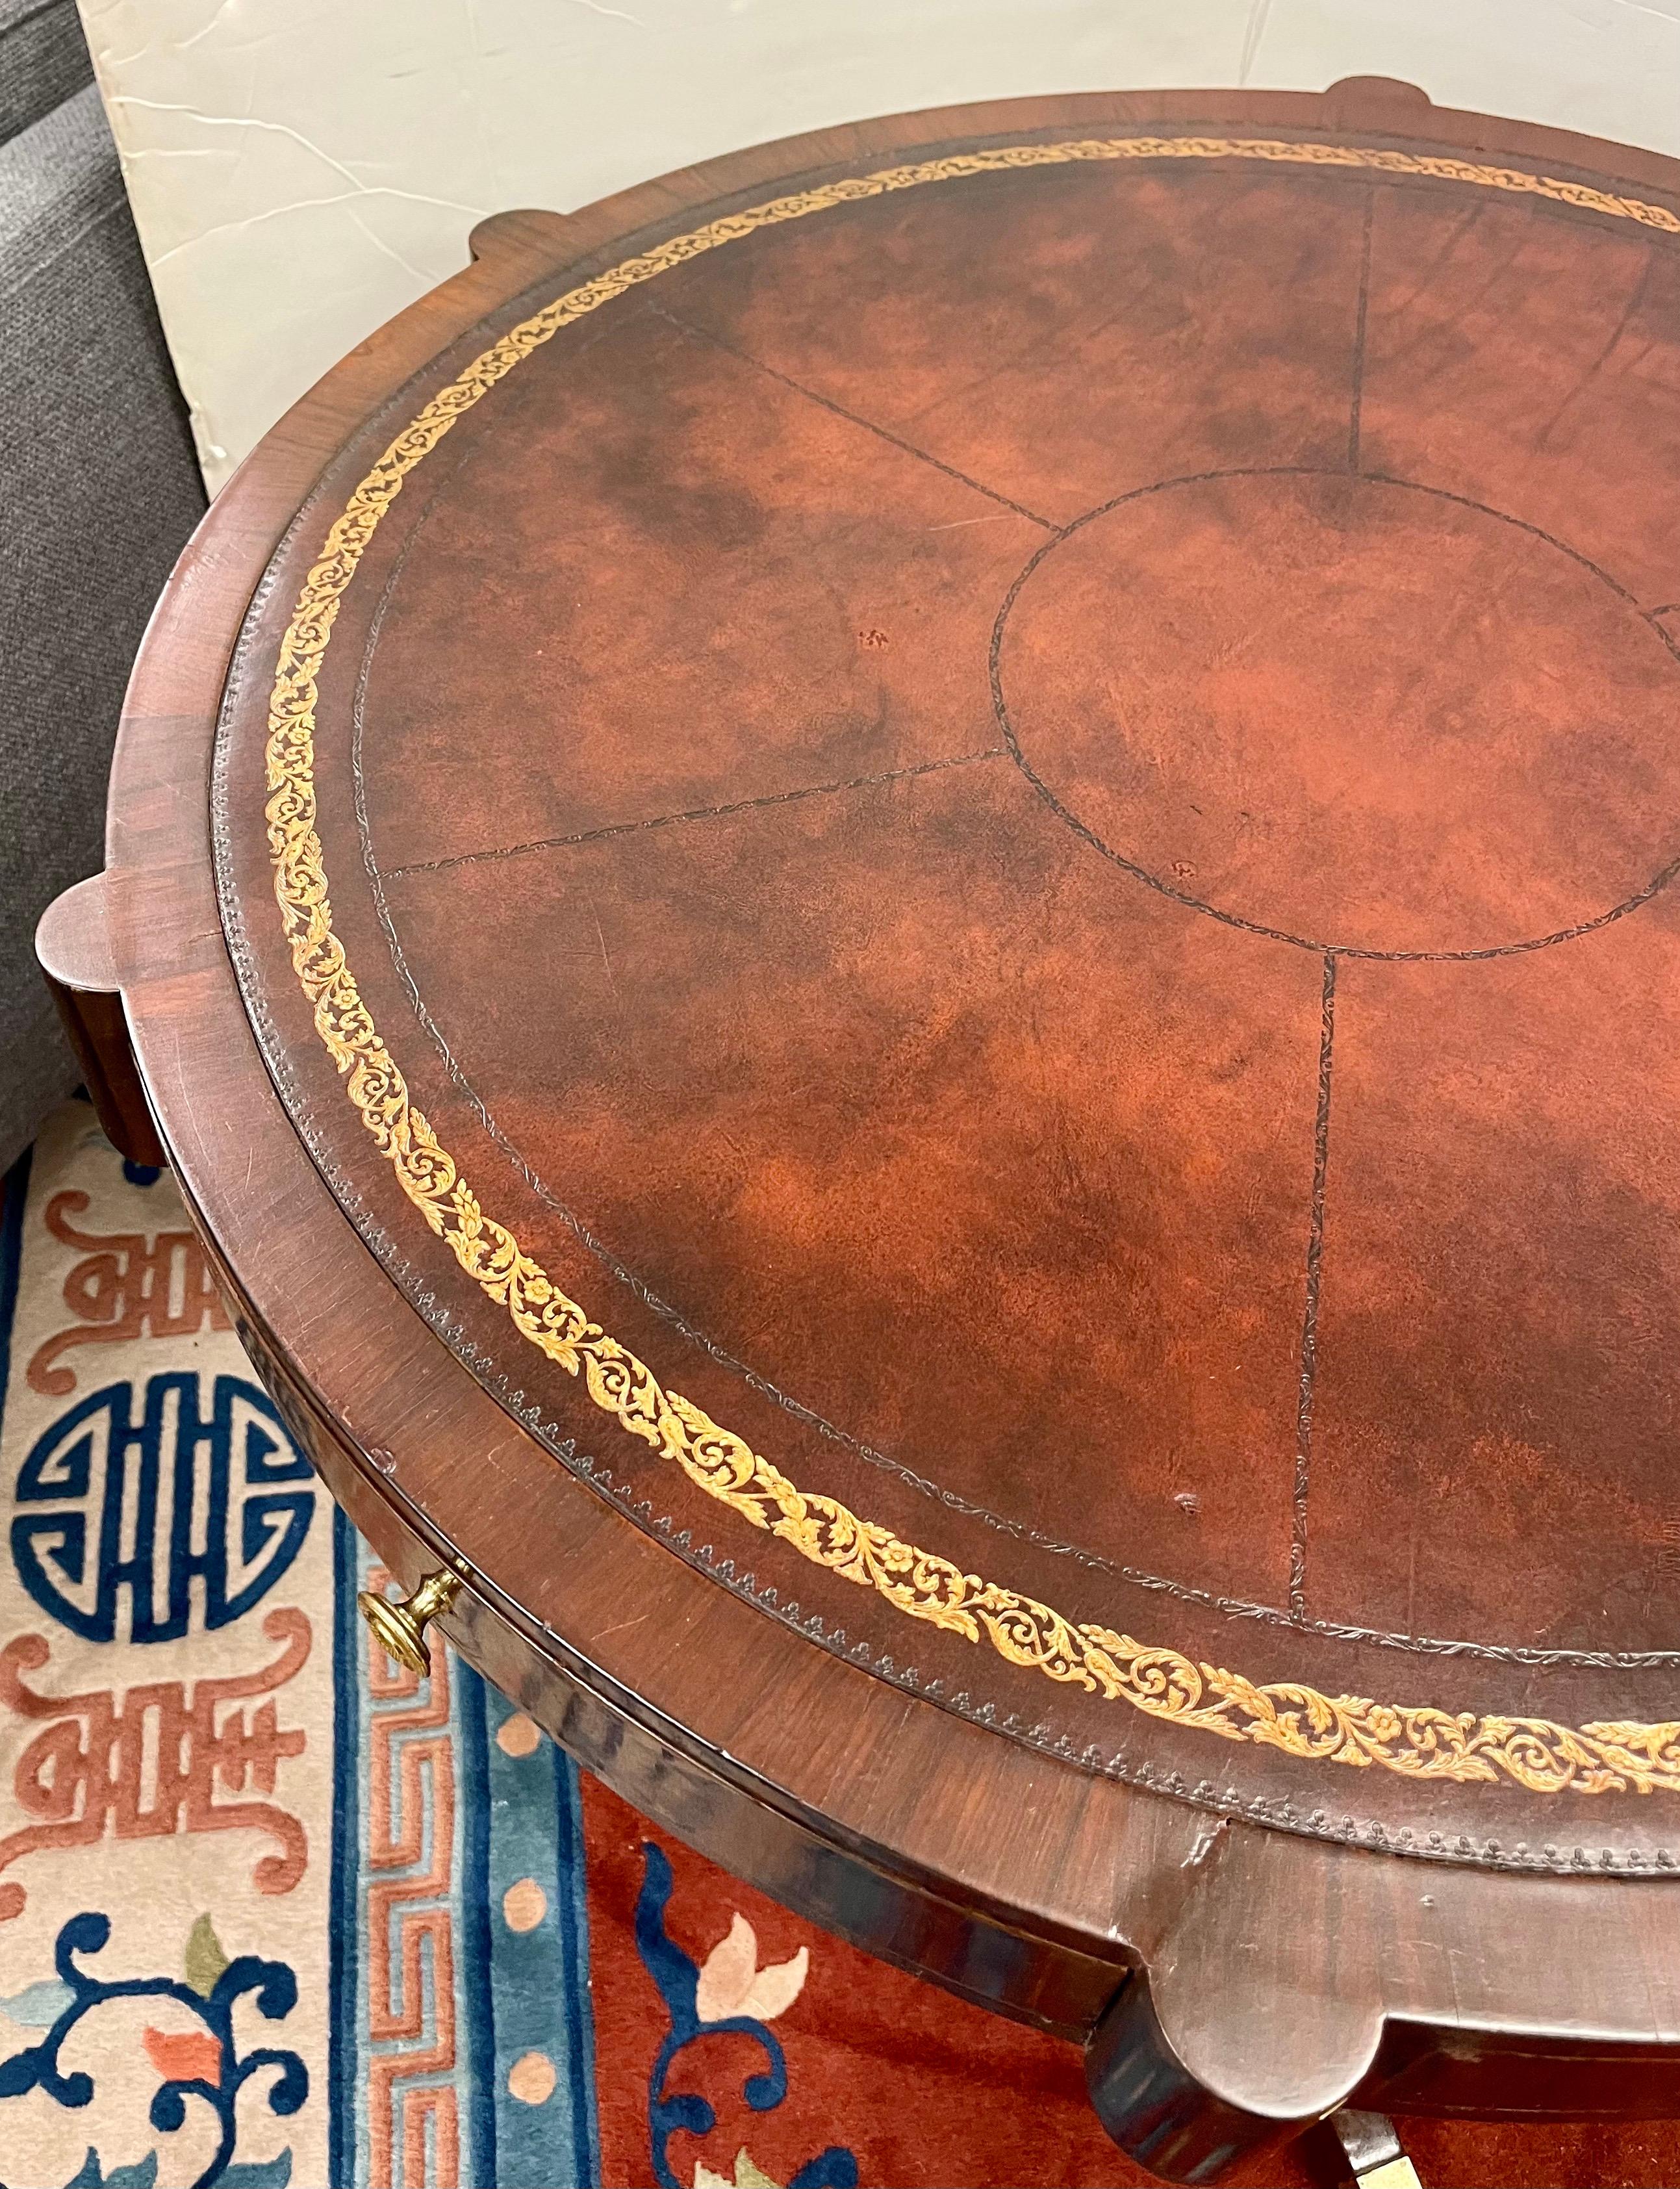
{"type": "Point", "coordinates": [400, 1625]}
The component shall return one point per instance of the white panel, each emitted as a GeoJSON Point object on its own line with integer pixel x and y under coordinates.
{"type": "Point", "coordinates": [1609, 67]}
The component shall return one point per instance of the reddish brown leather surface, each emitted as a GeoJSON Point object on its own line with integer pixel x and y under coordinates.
{"type": "Point", "coordinates": [1022, 829]}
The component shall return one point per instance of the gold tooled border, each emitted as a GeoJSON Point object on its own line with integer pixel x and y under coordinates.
{"type": "Point", "coordinates": [1418, 1741]}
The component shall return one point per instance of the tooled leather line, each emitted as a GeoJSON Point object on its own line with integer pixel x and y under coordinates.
{"type": "Point", "coordinates": [1309, 1374]}
{"type": "Point", "coordinates": [1417, 1741]}
{"type": "Point", "coordinates": [1356, 407]}
{"type": "Point", "coordinates": [1641, 896]}
{"type": "Point", "coordinates": [852, 418]}
{"type": "Point", "coordinates": [609, 829]}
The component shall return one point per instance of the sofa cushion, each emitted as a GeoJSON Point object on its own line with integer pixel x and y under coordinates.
{"type": "Point", "coordinates": [43, 60]}
{"type": "Point", "coordinates": [99, 490]}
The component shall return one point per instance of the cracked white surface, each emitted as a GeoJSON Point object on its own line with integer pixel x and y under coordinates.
{"type": "Point", "coordinates": [300, 169]}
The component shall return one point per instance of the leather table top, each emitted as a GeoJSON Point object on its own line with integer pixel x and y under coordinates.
{"type": "Point", "coordinates": [973, 885]}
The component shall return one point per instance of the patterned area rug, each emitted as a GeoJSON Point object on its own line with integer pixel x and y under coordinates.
{"type": "Point", "coordinates": [272, 1912]}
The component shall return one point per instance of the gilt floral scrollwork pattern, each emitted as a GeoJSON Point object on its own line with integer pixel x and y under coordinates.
{"type": "Point", "coordinates": [1417, 1741]}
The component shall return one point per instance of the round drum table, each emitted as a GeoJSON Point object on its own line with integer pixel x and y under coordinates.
{"type": "Point", "coordinates": [902, 913]}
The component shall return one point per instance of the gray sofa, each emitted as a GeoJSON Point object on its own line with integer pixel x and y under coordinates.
{"type": "Point", "coordinates": [99, 490]}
